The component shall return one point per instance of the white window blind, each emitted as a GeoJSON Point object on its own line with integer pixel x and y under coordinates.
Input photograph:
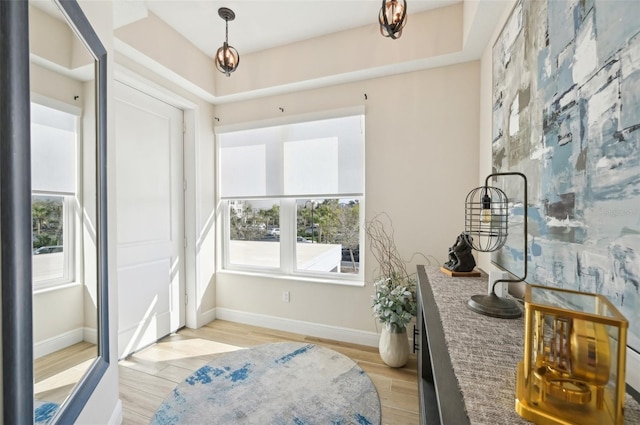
{"type": "Point", "coordinates": [295, 160]}
{"type": "Point", "coordinates": [53, 139]}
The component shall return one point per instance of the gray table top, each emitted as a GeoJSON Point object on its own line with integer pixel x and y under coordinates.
{"type": "Point", "coordinates": [485, 352]}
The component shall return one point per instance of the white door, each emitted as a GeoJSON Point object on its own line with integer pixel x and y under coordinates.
{"type": "Point", "coordinates": [149, 198]}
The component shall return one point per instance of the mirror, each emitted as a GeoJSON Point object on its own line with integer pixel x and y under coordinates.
{"type": "Point", "coordinates": [70, 336]}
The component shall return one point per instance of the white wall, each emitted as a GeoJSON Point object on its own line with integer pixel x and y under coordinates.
{"type": "Point", "coordinates": [86, 237]}
{"type": "Point", "coordinates": [421, 160]}
{"type": "Point", "coordinates": [103, 406]}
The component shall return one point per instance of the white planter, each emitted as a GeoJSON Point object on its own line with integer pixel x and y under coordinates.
{"type": "Point", "coordinates": [394, 347]}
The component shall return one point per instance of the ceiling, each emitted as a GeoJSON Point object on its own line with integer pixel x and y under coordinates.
{"type": "Point", "coordinates": [260, 24]}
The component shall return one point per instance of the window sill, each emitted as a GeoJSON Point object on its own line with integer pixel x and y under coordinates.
{"type": "Point", "coordinates": [297, 278]}
{"type": "Point", "coordinates": [45, 288]}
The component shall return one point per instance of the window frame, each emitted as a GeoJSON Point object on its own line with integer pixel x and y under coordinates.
{"type": "Point", "coordinates": [72, 205]}
{"type": "Point", "coordinates": [346, 277]}
{"type": "Point", "coordinates": [225, 206]}
{"type": "Point", "coordinates": [288, 245]}
{"type": "Point", "coordinates": [288, 229]}
{"type": "Point", "coordinates": [68, 243]}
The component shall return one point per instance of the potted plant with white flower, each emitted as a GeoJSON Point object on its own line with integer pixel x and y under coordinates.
{"type": "Point", "coordinates": [394, 301]}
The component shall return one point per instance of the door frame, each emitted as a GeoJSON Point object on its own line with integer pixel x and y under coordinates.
{"type": "Point", "coordinates": [189, 108]}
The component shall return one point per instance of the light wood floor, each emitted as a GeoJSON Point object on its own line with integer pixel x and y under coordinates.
{"type": "Point", "coordinates": [57, 373]}
{"type": "Point", "coordinates": [148, 376]}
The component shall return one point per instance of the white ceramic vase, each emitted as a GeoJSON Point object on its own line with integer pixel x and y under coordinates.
{"type": "Point", "coordinates": [394, 346]}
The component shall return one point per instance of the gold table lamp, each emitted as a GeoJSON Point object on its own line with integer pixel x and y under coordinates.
{"type": "Point", "coordinates": [573, 371]}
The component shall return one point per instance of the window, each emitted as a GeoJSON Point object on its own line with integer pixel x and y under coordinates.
{"type": "Point", "coordinates": [326, 229]}
{"type": "Point", "coordinates": [53, 182]}
{"type": "Point", "coordinates": [292, 198]}
{"type": "Point", "coordinates": [253, 241]}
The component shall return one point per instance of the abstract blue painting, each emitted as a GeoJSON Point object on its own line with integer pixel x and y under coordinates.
{"type": "Point", "coordinates": [566, 112]}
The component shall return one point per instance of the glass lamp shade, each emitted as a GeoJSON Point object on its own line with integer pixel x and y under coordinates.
{"type": "Point", "coordinates": [227, 59]}
{"type": "Point", "coordinates": [392, 17]}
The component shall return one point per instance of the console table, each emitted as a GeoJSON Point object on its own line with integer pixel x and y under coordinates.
{"type": "Point", "coordinates": [467, 362]}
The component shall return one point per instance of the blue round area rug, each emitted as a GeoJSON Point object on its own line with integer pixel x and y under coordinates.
{"type": "Point", "coordinates": [44, 411]}
{"type": "Point", "coordinates": [279, 383]}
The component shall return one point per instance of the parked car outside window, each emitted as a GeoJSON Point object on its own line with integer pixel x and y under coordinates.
{"type": "Point", "coordinates": [274, 231]}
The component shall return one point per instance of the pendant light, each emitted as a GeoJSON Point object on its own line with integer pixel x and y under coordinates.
{"type": "Point", "coordinates": [227, 57]}
{"type": "Point", "coordinates": [392, 18]}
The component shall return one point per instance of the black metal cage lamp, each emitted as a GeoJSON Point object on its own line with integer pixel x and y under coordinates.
{"type": "Point", "coordinates": [486, 218]}
{"type": "Point", "coordinates": [486, 230]}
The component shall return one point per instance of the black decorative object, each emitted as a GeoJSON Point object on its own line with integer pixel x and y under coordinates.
{"type": "Point", "coordinates": [227, 57]}
{"type": "Point", "coordinates": [486, 230]}
{"type": "Point", "coordinates": [460, 255]}
{"type": "Point", "coordinates": [392, 18]}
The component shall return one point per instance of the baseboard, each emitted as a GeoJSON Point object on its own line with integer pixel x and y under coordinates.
{"type": "Point", "coordinates": [297, 326]}
{"type": "Point", "coordinates": [206, 317]}
{"type": "Point", "coordinates": [57, 343]}
{"type": "Point", "coordinates": [116, 415]}
{"type": "Point", "coordinates": [633, 366]}
{"type": "Point", "coordinates": [90, 335]}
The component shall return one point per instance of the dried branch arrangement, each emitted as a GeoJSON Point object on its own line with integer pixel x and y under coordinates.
{"type": "Point", "coordinates": [380, 232]}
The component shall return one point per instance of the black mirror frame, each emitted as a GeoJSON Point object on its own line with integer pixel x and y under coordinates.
{"type": "Point", "coordinates": [15, 215]}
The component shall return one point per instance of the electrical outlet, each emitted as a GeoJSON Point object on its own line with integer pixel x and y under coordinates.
{"type": "Point", "coordinates": [285, 296]}
{"type": "Point", "coordinates": [502, 287]}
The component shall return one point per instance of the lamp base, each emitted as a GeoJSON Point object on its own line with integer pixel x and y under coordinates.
{"type": "Point", "coordinates": [494, 306]}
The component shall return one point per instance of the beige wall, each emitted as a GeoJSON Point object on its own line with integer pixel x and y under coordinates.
{"type": "Point", "coordinates": [437, 33]}
{"type": "Point", "coordinates": [434, 33]}
{"type": "Point", "coordinates": [169, 49]}
{"type": "Point", "coordinates": [421, 160]}
{"type": "Point", "coordinates": [55, 86]}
